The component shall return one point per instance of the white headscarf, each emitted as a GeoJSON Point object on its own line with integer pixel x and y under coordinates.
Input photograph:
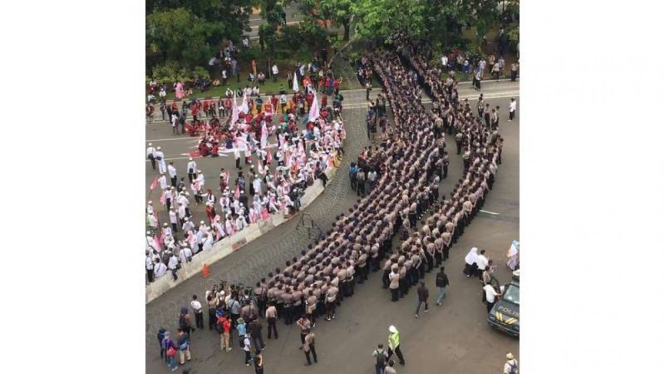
{"type": "Point", "coordinates": [472, 257]}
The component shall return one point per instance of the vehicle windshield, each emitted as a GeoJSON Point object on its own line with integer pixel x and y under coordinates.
{"type": "Point", "coordinates": [512, 294]}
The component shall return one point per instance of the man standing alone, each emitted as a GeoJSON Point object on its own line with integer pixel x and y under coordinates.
{"type": "Point", "coordinates": [511, 109]}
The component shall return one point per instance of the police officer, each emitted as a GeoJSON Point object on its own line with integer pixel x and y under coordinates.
{"type": "Point", "coordinates": [458, 143]}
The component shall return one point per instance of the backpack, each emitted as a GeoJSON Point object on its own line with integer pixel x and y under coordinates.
{"type": "Point", "coordinates": [513, 368]}
{"type": "Point", "coordinates": [380, 358]}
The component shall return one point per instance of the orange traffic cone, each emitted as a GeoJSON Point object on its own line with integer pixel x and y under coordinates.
{"type": "Point", "coordinates": [205, 271]}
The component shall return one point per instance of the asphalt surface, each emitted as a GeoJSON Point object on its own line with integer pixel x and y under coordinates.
{"type": "Point", "coordinates": [453, 338]}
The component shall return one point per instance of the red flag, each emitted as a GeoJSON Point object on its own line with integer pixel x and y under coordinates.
{"type": "Point", "coordinates": [236, 195]}
{"type": "Point", "coordinates": [153, 184]}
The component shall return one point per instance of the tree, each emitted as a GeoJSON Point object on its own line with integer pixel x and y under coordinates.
{"type": "Point", "coordinates": [179, 35]}
{"type": "Point", "coordinates": [381, 18]}
{"type": "Point", "coordinates": [190, 31]}
{"type": "Point", "coordinates": [337, 11]}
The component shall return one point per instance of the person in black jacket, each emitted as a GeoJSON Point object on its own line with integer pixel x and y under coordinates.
{"type": "Point", "coordinates": [423, 296]}
{"type": "Point", "coordinates": [441, 282]}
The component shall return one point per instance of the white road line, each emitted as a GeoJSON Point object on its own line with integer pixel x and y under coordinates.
{"type": "Point", "coordinates": [174, 158]}
{"type": "Point", "coordinates": [169, 139]}
{"type": "Point", "coordinates": [488, 212]}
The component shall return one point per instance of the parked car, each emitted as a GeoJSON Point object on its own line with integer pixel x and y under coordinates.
{"type": "Point", "coordinates": [505, 315]}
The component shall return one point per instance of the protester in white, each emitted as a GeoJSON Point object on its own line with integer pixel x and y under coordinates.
{"type": "Point", "coordinates": [185, 253]}
{"type": "Point", "coordinates": [297, 159]}
{"type": "Point", "coordinates": [191, 167]}
{"type": "Point", "coordinates": [188, 225]}
{"type": "Point", "coordinates": [173, 218]}
{"type": "Point", "coordinates": [241, 223]}
{"type": "Point", "coordinates": [159, 156]}
{"type": "Point", "coordinates": [512, 107]}
{"type": "Point", "coordinates": [162, 182]}
{"type": "Point", "coordinates": [470, 260]}
{"type": "Point", "coordinates": [172, 171]}
{"type": "Point", "coordinates": [482, 261]}
{"type": "Point", "coordinates": [200, 179]}
{"type": "Point", "coordinates": [160, 268]}
{"type": "Point", "coordinates": [257, 183]}
{"type": "Point", "coordinates": [173, 263]}
{"type": "Point", "coordinates": [150, 151]}
{"type": "Point", "coordinates": [174, 123]}
{"type": "Point", "coordinates": [207, 241]}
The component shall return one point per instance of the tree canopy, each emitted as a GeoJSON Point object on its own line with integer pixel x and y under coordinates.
{"type": "Point", "coordinates": [186, 33]}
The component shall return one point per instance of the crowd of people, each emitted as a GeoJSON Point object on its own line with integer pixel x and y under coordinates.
{"type": "Point", "coordinates": [407, 168]}
{"type": "Point", "coordinates": [302, 153]}
{"type": "Point", "coordinates": [481, 146]}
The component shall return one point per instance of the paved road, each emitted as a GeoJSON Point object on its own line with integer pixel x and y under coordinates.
{"type": "Point", "coordinates": [454, 337]}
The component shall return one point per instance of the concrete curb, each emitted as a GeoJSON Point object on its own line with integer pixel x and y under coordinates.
{"type": "Point", "coordinates": [231, 244]}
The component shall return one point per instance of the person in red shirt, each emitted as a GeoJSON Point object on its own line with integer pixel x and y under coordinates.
{"type": "Point", "coordinates": [324, 101]}
{"type": "Point", "coordinates": [226, 333]}
{"type": "Point", "coordinates": [195, 111]}
{"type": "Point", "coordinates": [336, 84]}
{"type": "Point", "coordinates": [206, 107]}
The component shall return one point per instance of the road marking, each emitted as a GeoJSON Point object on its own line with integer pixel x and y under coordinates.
{"type": "Point", "coordinates": [174, 158]}
{"type": "Point", "coordinates": [169, 139]}
{"type": "Point", "coordinates": [488, 212]}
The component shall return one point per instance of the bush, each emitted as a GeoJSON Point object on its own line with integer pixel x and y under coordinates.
{"type": "Point", "coordinates": [201, 72]}
{"type": "Point", "coordinates": [172, 71]}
